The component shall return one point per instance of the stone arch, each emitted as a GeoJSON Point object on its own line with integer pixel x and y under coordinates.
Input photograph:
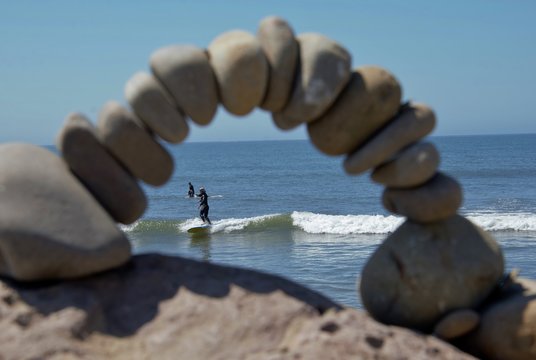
{"type": "Point", "coordinates": [413, 279]}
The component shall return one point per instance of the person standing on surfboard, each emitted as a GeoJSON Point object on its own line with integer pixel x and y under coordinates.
{"type": "Point", "coordinates": [191, 191]}
{"type": "Point", "coordinates": [203, 205]}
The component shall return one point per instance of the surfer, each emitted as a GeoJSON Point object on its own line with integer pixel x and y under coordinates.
{"type": "Point", "coordinates": [203, 205]}
{"type": "Point", "coordinates": [191, 191]}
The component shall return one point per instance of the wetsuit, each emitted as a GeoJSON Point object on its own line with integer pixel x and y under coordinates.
{"type": "Point", "coordinates": [203, 207]}
{"type": "Point", "coordinates": [191, 191]}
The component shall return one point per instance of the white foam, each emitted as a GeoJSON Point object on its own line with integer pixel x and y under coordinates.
{"type": "Point", "coordinates": [227, 225]}
{"type": "Point", "coordinates": [345, 224]}
{"type": "Point", "coordinates": [504, 221]}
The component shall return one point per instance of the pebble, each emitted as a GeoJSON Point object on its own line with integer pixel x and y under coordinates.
{"type": "Point", "coordinates": [323, 72]}
{"type": "Point", "coordinates": [371, 99]}
{"type": "Point", "coordinates": [281, 50]}
{"type": "Point", "coordinates": [435, 200]}
{"type": "Point", "coordinates": [185, 72]}
{"type": "Point", "coordinates": [50, 225]}
{"type": "Point", "coordinates": [155, 108]}
{"type": "Point", "coordinates": [413, 122]}
{"type": "Point", "coordinates": [134, 147]}
{"type": "Point", "coordinates": [241, 70]}
{"type": "Point", "coordinates": [116, 190]}
{"type": "Point", "coordinates": [456, 324]}
{"type": "Point", "coordinates": [412, 166]}
{"type": "Point", "coordinates": [421, 272]}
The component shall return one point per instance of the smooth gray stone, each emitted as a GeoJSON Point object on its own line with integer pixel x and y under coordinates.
{"type": "Point", "coordinates": [134, 147]}
{"type": "Point", "coordinates": [412, 166]}
{"type": "Point", "coordinates": [435, 200]}
{"type": "Point", "coordinates": [50, 226]}
{"type": "Point", "coordinates": [281, 49]}
{"type": "Point", "coordinates": [323, 72]}
{"type": "Point", "coordinates": [185, 72]}
{"type": "Point", "coordinates": [421, 272]}
{"type": "Point", "coordinates": [155, 108]}
{"type": "Point", "coordinates": [115, 189]}
{"type": "Point", "coordinates": [414, 122]}
{"type": "Point", "coordinates": [241, 70]}
{"type": "Point", "coordinates": [371, 99]}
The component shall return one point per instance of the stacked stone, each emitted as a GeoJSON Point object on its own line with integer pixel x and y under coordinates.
{"type": "Point", "coordinates": [436, 266]}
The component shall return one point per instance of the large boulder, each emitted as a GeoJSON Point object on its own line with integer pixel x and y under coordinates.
{"type": "Point", "coordinates": [174, 308]}
{"type": "Point", "coordinates": [50, 226]}
{"type": "Point", "coordinates": [422, 272]}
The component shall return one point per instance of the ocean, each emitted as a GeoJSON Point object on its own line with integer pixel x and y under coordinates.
{"type": "Point", "coordinates": [283, 207]}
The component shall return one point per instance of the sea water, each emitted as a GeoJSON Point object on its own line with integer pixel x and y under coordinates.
{"type": "Point", "coordinates": [283, 207]}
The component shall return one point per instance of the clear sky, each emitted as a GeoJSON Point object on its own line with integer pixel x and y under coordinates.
{"type": "Point", "coordinates": [473, 61]}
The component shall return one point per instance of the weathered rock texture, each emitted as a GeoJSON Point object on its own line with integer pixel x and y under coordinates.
{"type": "Point", "coordinates": [173, 308]}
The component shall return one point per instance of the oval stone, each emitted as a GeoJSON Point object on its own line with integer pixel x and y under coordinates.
{"type": "Point", "coordinates": [241, 70]}
{"type": "Point", "coordinates": [50, 226]}
{"type": "Point", "coordinates": [281, 49]}
{"type": "Point", "coordinates": [323, 72]}
{"type": "Point", "coordinates": [456, 324]}
{"type": "Point", "coordinates": [508, 326]}
{"type": "Point", "coordinates": [185, 72]}
{"type": "Point", "coordinates": [116, 190]}
{"type": "Point", "coordinates": [435, 200]}
{"type": "Point", "coordinates": [412, 166]}
{"type": "Point", "coordinates": [371, 99]}
{"type": "Point", "coordinates": [413, 122]}
{"type": "Point", "coordinates": [155, 108]}
{"type": "Point", "coordinates": [421, 272]}
{"type": "Point", "coordinates": [134, 147]}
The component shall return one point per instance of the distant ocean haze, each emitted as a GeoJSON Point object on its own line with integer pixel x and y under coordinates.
{"type": "Point", "coordinates": [283, 207]}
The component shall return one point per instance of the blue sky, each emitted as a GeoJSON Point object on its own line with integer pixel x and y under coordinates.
{"type": "Point", "coordinates": [473, 61]}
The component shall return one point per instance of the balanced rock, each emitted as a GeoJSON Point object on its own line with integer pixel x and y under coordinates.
{"type": "Point", "coordinates": [162, 307]}
{"type": "Point", "coordinates": [281, 49]}
{"type": "Point", "coordinates": [116, 190]}
{"type": "Point", "coordinates": [323, 72]}
{"type": "Point", "coordinates": [185, 72]}
{"type": "Point", "coordinates": [371, 99]}
{"type": "Point", "coordinates": [155, 108]}
{"type": "Point", "coordinates": [134, 147]}
{"type": "Point", "coordinates": [421, 272]}
{"type": "Point", "coordinates": [241, 70]}
{"type": "Point", "coordinates": [508, 326]}
{"type": "Point", "coordinates": [412, 166]}
{"type": "Point", "coordinates": [413, 122]}
{"type": "Point", "coordinates": [435, 200]}
{"type": "Point", "coordinates": [456, 324]}
{"type": "Point", "coordinates": [50, 226]}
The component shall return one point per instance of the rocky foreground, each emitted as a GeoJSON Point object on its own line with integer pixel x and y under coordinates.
{"type": "Point", "coordinates": [160, 307]}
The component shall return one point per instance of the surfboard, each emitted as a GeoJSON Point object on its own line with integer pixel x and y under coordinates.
{"type": "Point", "coordinates": [203, 229]}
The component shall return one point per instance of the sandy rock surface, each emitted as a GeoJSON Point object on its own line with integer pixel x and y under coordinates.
{"type": "Point", "coordinates": [173, 308]}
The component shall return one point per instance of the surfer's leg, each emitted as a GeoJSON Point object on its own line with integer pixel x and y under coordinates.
{"type": "Point", "coordinates": [206, 214]}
